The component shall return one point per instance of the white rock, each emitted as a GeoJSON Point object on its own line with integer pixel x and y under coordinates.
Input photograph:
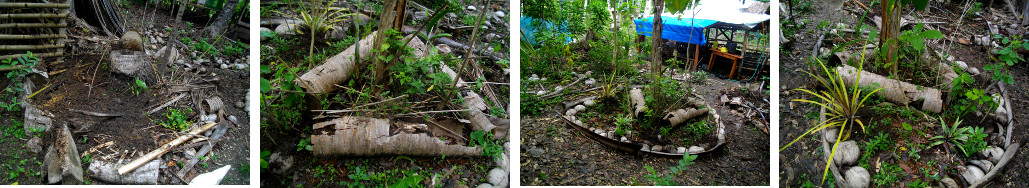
{"type": "Point", "coordinates": [696, 149]}
{"type": "Point", "coordinates": [974, 71]}
{"type": "Point", "coordinates": [982, 164]}
{"type": "Point", "coordinates": [831, 134]}
{"type": "Point", "coordinates": [484, 185]}
{"type": "Point", "coordinates": [949, 183]}
{"type": "Point", "coordinates": [961, 64]}
{"type": "Point", "coordinates": [591, 82]}
{"type": "Point", "coordinates": [499, 13]}
{"type": "Point", "coordinates": [657, 148]}
{"type": "Point", "coordinates": [580, 108]}
{"type": "Point", "coordinates": [598, 131]}
{"type": "Point", "coordinates": [846, 153]}
{"type": "Point", "coordinates": [680, 150]}
{"type": "Point", "coordinates": [624, 139]}
{"type": "Point", "coordinates": [224, 66]}
{"type": "Point", "coordinates": [602, 134]}
{"type": "Point", "coordinates": [570, 112]}
{"type": "Point", "coordinates": [240, 66]}
{"type": "Point", "coordinates": [496, 176]}
{"type": "Point", "coordinates": [645, 148]}
{"type": "Point", "coordinates": [471, 8]}
{"type": "Point", "coordinates": [971, 173]}
{"type": "Point", "coordinates": [857, 176]}
{"type": "Point", "coordinates": [588, 102]}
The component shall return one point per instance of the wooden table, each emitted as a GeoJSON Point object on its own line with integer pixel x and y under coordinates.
{"type": "Point", "coordinates": [735, 60]}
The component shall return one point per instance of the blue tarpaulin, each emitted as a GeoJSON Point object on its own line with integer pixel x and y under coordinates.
{"type": "Point", "coordinates": [686, 30]}
{"type": "Point", "coordinates": [530, 32]}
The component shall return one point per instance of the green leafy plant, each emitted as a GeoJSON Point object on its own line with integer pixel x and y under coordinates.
{"type": "Point", "coordinates": [841, 105]}
{"type": "Point", "coordinates": [490, 146]}
{"type": "Point", "coordinates": [967, 139]}
{"type": "Point", "coordinates": [20, 67]}
{"type": "Point", "coordinates": [265, 154]}
{"type": "Point", "coordinates": [305, 144]}
{"type": "Point", "coordinates": [177, 120]}
{"type": "Point", "coordinates": [318, 16]}
{"type": "Point", "coordinates": [622, 123]}
{"type": "Point", "coordinates": [139, 86]}
{"type": "Point", "coordinates": [889, 174]}
{"type": "Point", "coordinates": [1007, 56]}
{"type": "Point", "coordinates": [669, 179]}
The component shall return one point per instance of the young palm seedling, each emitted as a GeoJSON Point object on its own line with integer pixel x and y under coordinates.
{"type": "Point", "coordinates": [319, 17]}
{"type": "Point", "coordinates": [842, 105]}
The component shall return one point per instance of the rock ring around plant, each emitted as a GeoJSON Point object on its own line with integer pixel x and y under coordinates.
{"type": "Point", "coordinates": [640, 148]}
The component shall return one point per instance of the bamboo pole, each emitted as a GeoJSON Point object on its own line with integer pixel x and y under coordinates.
{"type": "Point", "coordinates": [33, 15]}
{"type": "Point", "coordinates": [28, 37]}
{"type": "Point", "coordinates": [31, 25]}
{"type": "Point", "coordinates": [159, 151]}
{"type": "Point", "coordinates": [30, 47]}
{"type": "Point", "coordinates": [39, 55]}
{"type": "Point", "coordinates": [35, 5]}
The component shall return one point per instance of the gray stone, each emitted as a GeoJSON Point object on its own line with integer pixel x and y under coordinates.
{"type": "Point", "coordinates": [580, 108]}
{"type": "Point", "coordinates": [34, 145]}
{"type": "Point", "coordinates": [724, 99]}
{"type": "Point", "coordinates": [973, 71]}
{"type": "Point", "coordinates": [830, 134]}
{"type": "Point", "coordinates": [696, 149]}
{"type": "Point", "coordinates": [588, 102]}
{"type": "Point", "coordinates": [497, 176]}
{"type": "Point", "coordinates": [535, 152]}
{"type": "Point", "coordinates": [645, 148]}
{"type": "Point", "coordinates": [591, 82]}
{"type": "Point", "coordinates": [484, 185]}
{"type": "Point", "coordinates": [657, 148]}
{"type": "Point", "coordinates": [857, 177]}
{"type": "Point", "coordinates": [982, 164]}
{"type": "Point", "coordinates": [846, 153]}
{"type": "Point", "coordinates": [224, 66]}
{"type": "Point", "coordinates": [240, 66]}
{"type": "Point", "coordinates": [961, 64]}
{"type": "Point", "coordinates": [949, 183]}
{"type": "Point", "coordinates": [286, 29]}
{"type": "Point", "coordinates": [680, 150]}
{"type": "Point", "coordinates": [971, 173]}
{"type": "Point", "coordinates": [624, 139]}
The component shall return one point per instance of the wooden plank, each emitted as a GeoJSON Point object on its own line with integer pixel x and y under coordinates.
{"type": "Point", "coordinates": [35, 5]}
{"type": "Point", "coordinates": [33, 15]}
{"type": "Point", "coordinates": [31, 25]}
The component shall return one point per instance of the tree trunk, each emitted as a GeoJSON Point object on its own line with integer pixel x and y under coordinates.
{"type": "Point", "coordinates": [222, 21]}
{"type": "Point", "coordinates": [679, 116]}
{"type": "Point", "coordinates": [888, 35]}
{"type": "Point", "coordinates": [363, 136]}
{"type": "Point", "coordinates": [392, 18]}
{"type": "Point", "coordinates": [655, 52]}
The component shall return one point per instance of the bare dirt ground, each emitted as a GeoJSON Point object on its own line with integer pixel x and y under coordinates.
{"type": "Point", "coordinates": [85, 81]}
{"type": "Point", "coordinates": [801, 164]}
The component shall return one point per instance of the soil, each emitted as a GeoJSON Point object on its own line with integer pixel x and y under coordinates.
{"type": "Point", "coordinates": [555, 154]}
{"type": "Point", "coordinates": [84, 81]}
{"type": "Point", "coordinates": [802, 163]}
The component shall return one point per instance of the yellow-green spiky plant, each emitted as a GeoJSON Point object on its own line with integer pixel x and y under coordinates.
{"type": "Point", "coordinates": [842, 104]}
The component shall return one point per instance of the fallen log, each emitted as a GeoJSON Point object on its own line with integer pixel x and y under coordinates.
{"type": "Point", "coordinates": [107, 172]}
{"type": "Point", "coordinates": [679, 116]}
{"type": "Point", "coordinates": [157, 152]}
{"type": "Point", "coordinates": [364, 136]}
{"type": "Point", "coordinates": [638, 103]}
{"type": "Point", "coordinates": [338, 68]}
{"type": "Point", "coordinates": [894, 90]}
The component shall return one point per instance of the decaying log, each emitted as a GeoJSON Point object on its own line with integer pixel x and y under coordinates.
{"type": "Point", "coordinates": [159, 151]}
{"type": "Point", "coordinates": [107, 172]}
{"type": "Point", "coordinates": [1008, 154]}
{"type": "Point", "coordinates": [895, 90]}
{"type": "Point", "coordinates": [336, 69]}
{"type": "Point", "coordinates": [679, 116]}
{"type": "Point", "coordinates": [639, 105]}
{"type": "Point", "coordinates": [476, 115]}
{"type": "Point", "coordinates": [364, 136]}
{"type": "Point", "coordinates": [62, 158]}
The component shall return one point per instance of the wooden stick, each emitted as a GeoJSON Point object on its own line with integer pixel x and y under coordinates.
{"type": "Point", "coordinates": [27, 37]}
{"type": "Point", "coordinates": [361, 106]}
{"type": "Point", "coordinates": [167, 103]}
{"type": "Point", "coordinates": [429, 112]}
{"type": "Point", "coordinates": [35, 5]}
{"type": "Point", "coordinates": [31, 25]}
{"type": "Point", "coordinates": [33, 15]}
{"type": "Point", "coordinates": [30, 47]}
{"type": "Point", "coordinates": [159, 151]}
